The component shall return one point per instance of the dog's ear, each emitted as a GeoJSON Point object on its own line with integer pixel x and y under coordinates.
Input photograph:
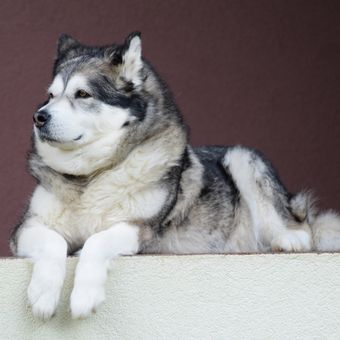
{"type": "Point", "coordinates": [67, 47]}
{"type": "Point", "coordinates": [128, 59]}
{"type": "Point", "coordinates": [66, 43]}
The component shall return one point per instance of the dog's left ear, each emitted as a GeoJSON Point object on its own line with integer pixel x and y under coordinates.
{"type": "Point", "coordinates": [129, 59]}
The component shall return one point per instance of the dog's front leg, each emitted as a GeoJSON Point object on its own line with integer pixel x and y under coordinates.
{"type": "Point", "coordinates": [48, 250]}
{"type": "Point", "coordinates": [91, 273]}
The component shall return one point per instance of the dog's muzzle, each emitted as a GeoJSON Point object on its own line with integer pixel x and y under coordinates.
{"type": "Point", "coordinates": [40, 118]}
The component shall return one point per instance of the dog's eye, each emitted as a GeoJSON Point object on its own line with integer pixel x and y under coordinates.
{"type": "Point", "coordinates": [82, 94]}
{"type": "Point", "coordinates": [50, 95]}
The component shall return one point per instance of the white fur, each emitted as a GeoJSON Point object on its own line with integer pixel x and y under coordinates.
{"type": "Point", "coordinates": [48, 251]}
{"type": "Point", "coordinates": [81, 161]}
{"type": "Point", "coordinates": [266, 222]}
{"type": "Point", "coordinates": [57, 86]}
{"type": "Point", "coordinates": [263, 214]}
{"type": "Point", "coordinates": [91, 273]}
{"type": "Point", "coordinates": [127, 192]}
{"type": "Point", "coordinates": [326, 232]}
{"type": "Point", "coordinates": [43, 203]}
{"type": "Point", "coordinates": [292, 240]}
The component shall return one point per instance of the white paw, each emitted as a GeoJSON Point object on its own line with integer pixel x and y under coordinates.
{"type": "Point", "coordinates": [292, 241]}
{"type": "Point", "coordinates": [44, 290]}
{"type": "Point", "coordinates": [43, 301]}
{"type": "Point", "coordinates": [86, 299]}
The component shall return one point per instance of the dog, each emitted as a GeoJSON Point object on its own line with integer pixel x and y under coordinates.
{"type": "Point", "coordinates": [116, 176]}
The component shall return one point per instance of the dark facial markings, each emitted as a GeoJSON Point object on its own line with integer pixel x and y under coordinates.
{"type": "Point", "coordinates": [105, 91]}
{"type": "Point", "coordinates": [102, 87]}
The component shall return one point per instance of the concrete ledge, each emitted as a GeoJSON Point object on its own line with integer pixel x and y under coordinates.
{"type": "Point", "coordinates": [288, 296]}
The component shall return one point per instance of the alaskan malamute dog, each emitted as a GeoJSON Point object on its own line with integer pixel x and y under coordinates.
{"type": "Point", "coordinates": [116, 176]}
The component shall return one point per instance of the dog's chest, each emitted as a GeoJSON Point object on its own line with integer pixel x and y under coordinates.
{"type": "Point", "coordinates": [98, 207]}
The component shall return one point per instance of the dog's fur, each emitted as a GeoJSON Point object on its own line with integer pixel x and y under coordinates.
{"type": "Point", "coordinates": [116, 176]}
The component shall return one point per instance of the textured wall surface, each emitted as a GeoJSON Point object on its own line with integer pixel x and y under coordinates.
{"type": "Point", "coordinates": [263, 73]}
{"type": "Point", "coordinates": [190, 297]}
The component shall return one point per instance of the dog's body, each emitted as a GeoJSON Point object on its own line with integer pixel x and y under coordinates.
{"type": "Point", "coordinates": [116, 176]}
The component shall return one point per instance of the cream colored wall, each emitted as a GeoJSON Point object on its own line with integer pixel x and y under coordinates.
{"type": "Point", "coordinates": [190, 297]}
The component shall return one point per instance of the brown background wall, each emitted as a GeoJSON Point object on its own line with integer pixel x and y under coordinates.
{"type": "Point", "coordinates": [261, 73]}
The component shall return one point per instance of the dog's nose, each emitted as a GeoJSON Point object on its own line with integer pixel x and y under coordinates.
{"type": "Point", "coordinates": [40, 118]}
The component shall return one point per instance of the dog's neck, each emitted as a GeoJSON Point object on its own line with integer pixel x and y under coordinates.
{"type": "Point", "coordinates": [146, 163]}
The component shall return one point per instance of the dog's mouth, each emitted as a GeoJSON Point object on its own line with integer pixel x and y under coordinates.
{"type": "Point", "coordinates": [78, 138]}
{"type": "Point", "coordinates": [45, 136]}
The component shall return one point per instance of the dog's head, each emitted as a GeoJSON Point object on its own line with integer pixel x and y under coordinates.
{"type": "Point", "coordinates": [101, 101]}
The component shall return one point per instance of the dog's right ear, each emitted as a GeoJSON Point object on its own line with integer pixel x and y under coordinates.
{"type": "Point", "coordinates": [66, 43]}
{"type": "Point", "coordinates": [67, 47]}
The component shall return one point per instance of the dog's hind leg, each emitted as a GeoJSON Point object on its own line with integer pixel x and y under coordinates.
{"type": "Point", "coordinates": [267, 202]}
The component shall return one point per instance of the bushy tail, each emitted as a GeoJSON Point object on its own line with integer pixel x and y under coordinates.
{"type": "Point", "coordinates": [325, 226]}
{"type": "Point", "coordinates": [302, 207]}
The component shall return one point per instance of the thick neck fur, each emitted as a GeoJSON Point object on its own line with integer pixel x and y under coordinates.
{"type": "Point", "coordinates": [147, 163]}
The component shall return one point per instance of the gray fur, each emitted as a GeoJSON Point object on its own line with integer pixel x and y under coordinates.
{"type": "Point", "coordinates": [206, 210]}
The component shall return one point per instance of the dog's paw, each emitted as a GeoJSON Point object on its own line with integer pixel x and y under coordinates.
{"type": "Point", "coordinates": [292, 241]}
{"type": "Point", "coordinates": [44, 291]}
{"type": "Point", "coordinates": [86, 299]}
{"type": "Point", "coordinates": [43, 302]}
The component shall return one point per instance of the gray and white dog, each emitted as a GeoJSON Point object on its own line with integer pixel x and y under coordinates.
{"type": "Point", "coordinates": [116, 176]}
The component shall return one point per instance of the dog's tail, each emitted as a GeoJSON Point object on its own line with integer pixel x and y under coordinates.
{"type": "Point", "coordinates": [325, 226]}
